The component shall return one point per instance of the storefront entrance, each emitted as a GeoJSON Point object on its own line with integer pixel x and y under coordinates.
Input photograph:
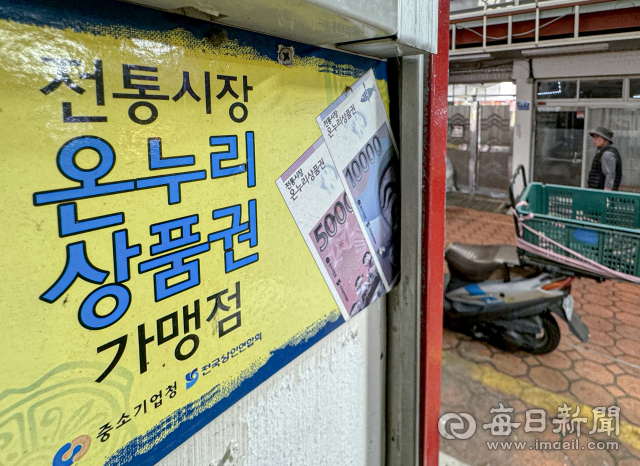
{"type": "Point", "coordinates": [565, 112]}
{"type": "Point", "coordinates": [480, 134]}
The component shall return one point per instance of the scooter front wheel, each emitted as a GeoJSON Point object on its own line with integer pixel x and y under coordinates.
{"type": "Point", "coordinates": [543, 342]}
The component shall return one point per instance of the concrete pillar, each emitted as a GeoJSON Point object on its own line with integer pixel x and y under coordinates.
{"type": "Point", "coordinates": [523, 130]}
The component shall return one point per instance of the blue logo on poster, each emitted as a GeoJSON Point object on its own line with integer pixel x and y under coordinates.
{"type": "Point", "coordinates": [192, 378]}
{"type": "Point", "coordinates": [72, 452]}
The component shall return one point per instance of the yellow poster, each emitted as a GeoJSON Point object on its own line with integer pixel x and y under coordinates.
{"type": "Point", "coordinates": [152, 274]}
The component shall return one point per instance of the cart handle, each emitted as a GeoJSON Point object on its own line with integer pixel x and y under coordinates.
{"type": "Point", "coordinates": [519, 170]}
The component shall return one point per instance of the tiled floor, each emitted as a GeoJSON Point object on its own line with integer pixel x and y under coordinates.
{"type": "Point", "coordinates": [477, 202]}
{"type": "Point", "coordinates": [603, 372]}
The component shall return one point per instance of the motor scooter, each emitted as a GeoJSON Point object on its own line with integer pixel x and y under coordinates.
{"type": "Point", "coordinates": [491, 295]}
{"type": "Point", "coordinates": [497, 294]}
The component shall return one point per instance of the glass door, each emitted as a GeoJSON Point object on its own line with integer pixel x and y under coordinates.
{"type": "Point", "coordinates": [559, 141]}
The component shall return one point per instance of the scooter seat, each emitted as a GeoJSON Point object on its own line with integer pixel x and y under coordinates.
{"type": "Point", "coordinates": [478, 262]}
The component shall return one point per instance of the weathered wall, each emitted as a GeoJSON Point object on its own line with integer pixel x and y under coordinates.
{"type": "Point", "coordinates": [325, 408]}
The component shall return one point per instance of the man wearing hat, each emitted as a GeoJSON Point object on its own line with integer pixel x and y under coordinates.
{"type": "Point", "coordinates": [606, 168]}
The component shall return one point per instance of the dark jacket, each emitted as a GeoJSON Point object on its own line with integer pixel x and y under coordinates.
{"type": "Point", "coordinates": [596, 175]}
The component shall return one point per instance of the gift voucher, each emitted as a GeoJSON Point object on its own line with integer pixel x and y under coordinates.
{"type": "Point", "coordinates": [356, 131]}
{"type": "Point", "coordinates": [312, 189]}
